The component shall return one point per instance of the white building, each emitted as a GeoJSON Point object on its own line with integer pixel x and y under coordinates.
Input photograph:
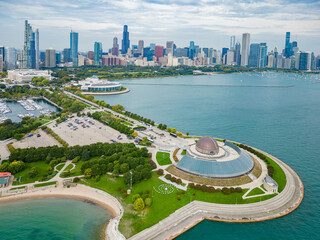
{"type": "Point", "coordinates": [270, 185]}
{"type": "Point", "coordinates": [245, 49]}
{"type": "Point", "coordinates": [26, 75]}
{"type": "Point", "coordinates": [230, 58]}
{"type": "Point", "coordinates": [94, 84]}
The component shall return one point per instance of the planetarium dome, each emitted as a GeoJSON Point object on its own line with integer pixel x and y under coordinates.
{"type": "Point", "coordinates": [207, 145]}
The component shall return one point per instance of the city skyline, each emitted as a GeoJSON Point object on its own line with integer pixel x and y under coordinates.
{"type": "Point", "coordinates": [164, 24]}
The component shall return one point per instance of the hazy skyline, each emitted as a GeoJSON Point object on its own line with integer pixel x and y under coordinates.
{"type": "Point", "coordinates": [209, 23]}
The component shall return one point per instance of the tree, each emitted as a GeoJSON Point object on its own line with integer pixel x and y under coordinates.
{"type": "Point", "coordinates": [87, 173]}
{"type": "Point", "coordinates": [169, 129]}
{"type": "Point", "coordinates": [16, 166]}
{"type": "Point", "coordinates": [148, 202]}
{"type": "Point", "coordinates": [118, 108]}
{"type": "Point", "coordinates": [187, 133]}
{"type": "Point", "coordinates": [179, 134]}
{"type": "Point", "coordinates": [85, 155]}
{"type": "Point", "coordinates": [124, 167]}
{"type": "Point", "coordinates": [138, 204]}
{"type": "Point", "coordinates": [134, 134]}
{"type": "Point", "coordinates": [33, 172]}
{"type": "Point", "coordinates": [18, 136]}
{"type": "Point", "coordinates": [135, 197]}
{"type": "Point", "coordinates": [173, 130]}
{"type": "Point", "coordinates": [4, 167]}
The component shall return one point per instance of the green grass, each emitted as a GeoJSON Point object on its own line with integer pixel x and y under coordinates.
{"type": "Point", "coordinates": [127, 123]}
{"type": "Point", "coordinates": [162, 204]}
{"type": "Point", "coordinates": [263, 187]}
{"type": "Point", "coordinates": [184, 152]}
{"type": "Point", "coordinates": [16, 188]}
{"type": "Point", "coordinates": [68, 167]}
{"type": "Point", "coordinates": [255, 191]}
{"type": "Point", "coordinates": [163, 158]}
{"type": "Point", "coordinates": [279, 176]}
{"type": "Point", "coordinates": [41, 168]}
{"type": "Point", "coordinates": [44, 184]}
{"type": "Point", "coordinates": [59, 167]}
{"type": "Point", "coordinates": [76, 171]}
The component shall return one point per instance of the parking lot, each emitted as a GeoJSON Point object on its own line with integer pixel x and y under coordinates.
{"type": "Point", "coordinates": [84, 131]}
{"type": "Point", "coordinates": [43, 140]}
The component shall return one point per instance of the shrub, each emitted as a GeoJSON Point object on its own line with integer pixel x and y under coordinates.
{"type": "Point", "coordinates": [179, 181]}
{"type": "Point", "coordinates": [33, 172]}
{"type": "Point", "coordinates": [119, 189]}
{"type": "Point", "coordinates": [178, 198]}
{"type": "Point", "coordinates": [168, 176]}
{"type": "Point", "coordinates": [147, 191]}
{"type": "Point", "coordinates": [76, 179]}
{"type": "Point", "coordinates": [140, 193]}
{"type": "Point", "coordinates": [124, 195]}
{"type": "Point", "coordinates": [153, 164]}
{"type": "Point", "coordinates": [76, 159]}
{"type": "Point", "coordinates": [148, 202]}
{"type": "Point", "coordinates": [135, 197]}
{"type": "Point", "coordinates": [191, 185]}
{"type": "Point", "coordinates": [225, 191]}
{"type": "Point", "coordinates": [160, 172]}
{"type": "Point", "coordinates": [238, 189]}
{"type": "Point", "coordinates": [138, 204]}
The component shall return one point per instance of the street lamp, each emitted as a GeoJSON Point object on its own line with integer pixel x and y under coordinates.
{"type": "Point", "coordinates": [131, 180]}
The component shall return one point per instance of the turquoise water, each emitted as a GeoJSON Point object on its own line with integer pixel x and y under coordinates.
{"type": "Point", "coordinates": [282, 121]}
{"type": "Point", "coordinates": [17, 108]}
{"type": "Point", "coordinates": [51, 219]}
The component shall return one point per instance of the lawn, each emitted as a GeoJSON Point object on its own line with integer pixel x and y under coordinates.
{"type": "Point", "coordinates": [255, 191]}
{"type": "Point", "coordinates": [163, 158]}
{"type": "Point", "coordinates": [68, 167]}
{"type": "Point", "coordinates": [41, 168]}
{"type": "Point", "coordinates": [44, 184]}
{"type": "Point", "coordinates": [76, 171]}
{"type": "Point", "coordinates": [162, 204]}
{"type": "Point", "coordinates": [184, 152]}
{"type": "Point", "coordinates": [60, 166]}
{"type": "Point", "coordinates": [127, 123]}
{"type": "Point", "coordinates": [279, 176]}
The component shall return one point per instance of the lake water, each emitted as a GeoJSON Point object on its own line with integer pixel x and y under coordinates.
{"type": "Point", "coordinates": [17, 108]}
{"type": "Point", "coordinates": [51, 219]}
{"type": "Point", "coordinates": [283, 121]}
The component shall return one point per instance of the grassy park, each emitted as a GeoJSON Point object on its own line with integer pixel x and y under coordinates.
{"type": "Point", "coordinates": [255, 191]}
{"type": "Point", "coordinates": [163, 158]}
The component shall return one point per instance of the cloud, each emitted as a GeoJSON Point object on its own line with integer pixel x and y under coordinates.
{"type": "Point", "coordinates": [165, 19]}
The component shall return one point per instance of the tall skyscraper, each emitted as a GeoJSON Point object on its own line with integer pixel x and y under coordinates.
{"type": "Point", "coordinates": [158, 52]}
{"type": "Point", "coordinates": [263, 51]}
{"type": "Point", "coordinates": [245, 49]}
{"type": "Point", "coordinates": [97, 53]}
{"type": "Point", "coordinates": [140, 46]}
{"type": "Point", "coordinates": [254, 55]}
{"type": "Point", "coordinates": [115, 47]}
{"type": "Point", "coordinates": [237, 56]}
{"type": "Point", "coordinates": [37, 49]}
{"type": "Point", "coordinates": [169, 48]}
{"type": "Point", "coordinates": [50, 58]}
{"type": "Point", "coordinates": [152, 46]}
{"type": "Point", "coordinates": [191, 50]}
{"type": "Point", "coordinates": [232, 42]}
{"type": "Point", "coordinates": [66, 55]}
{"type": "Point", "coordinates": [74, 47]}
{"type": "Point", "coordinates": [2, 52]}
{"type": "Point", "coordinates": [125, 40]}
{"type": "Point", "coordinates": [287, 48]}
{"type": "Point", "coordinates": [28, 59]}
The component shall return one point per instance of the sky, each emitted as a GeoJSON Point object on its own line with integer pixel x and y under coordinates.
{"type": "Point", "coordinates": [209, 23]}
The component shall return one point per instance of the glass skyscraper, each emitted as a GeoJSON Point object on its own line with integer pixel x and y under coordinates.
{"type": "Point", "coordinates": [125, 40]}
{"type": "Point", "coordinates": [97, 53]}
{"type": "Point", "coordinates": [28, 59]}
{"type": "Point", "coordinates": [74, 47]}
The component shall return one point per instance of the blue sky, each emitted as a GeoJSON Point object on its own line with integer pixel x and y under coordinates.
{"type": "Point", "coordinates": [209, 23]}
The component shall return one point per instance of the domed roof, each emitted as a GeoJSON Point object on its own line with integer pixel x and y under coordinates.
{"type": "Point", "coordinates": [208, 144]}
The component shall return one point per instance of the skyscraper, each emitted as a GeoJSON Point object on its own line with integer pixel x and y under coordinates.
{"type": "Point", "coordinates": [66, 55]}
{"type": "Point", "coordinates": [191, 50]}
{"type": "Point", "coordinates": [254, 55]}
{"type": "Point", "coordinates": [50, 58]}
{"type": "Point", "coordinates": [232, 42]}
{"type": "Point", "coordinates": [169, 48]}
{"type": "Point", "coordinates": [158, 52]}
{"type": "Point", "coordinates": [115, 47]}
{"type": "Point", "coordinates": [245, 49]}
{"type": "Point", "coordinates": [28, 59]}
{"type": "Point", "coordinates": [263, 51]}
{"type": "Point", "coordinates": [237, 56]}
{"type": "Point", "coordinates": [74, 47]}
{"type": "Point", "coordinates": [37, 49]}
{"type": "Point", "coordinates": [97, 53]}
{"type": "Point", "coordinates": [140, 46]}
{"type": "Point", "coordinates": [125, 40]}
{"type": "Point", "coordinates": [10, 58]}
{"type": "Point", "coordinates": [287, 48]}
{"type": "Point", "coordinates": [2, 52]}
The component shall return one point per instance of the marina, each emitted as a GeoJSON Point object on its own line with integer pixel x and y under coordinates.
{"type": "Point", "coordinates": [4, 107]}
{"type": "Point", "coordinates": [30, 105]}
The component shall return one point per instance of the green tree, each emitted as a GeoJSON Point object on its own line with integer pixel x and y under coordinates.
{"type": "Point", "coordinates": [138, 204]}
{"type": "Point", "coordinates": [87, 173]}
{"type": "Point", "coordinates": [33, 172]}
{"type": "Point", "coordinates": [148, 202]}
{"type": "Point", "coordinates": [187, 133]}
{"type": "Point", "coordinates": [118, 108]}
{"type": "Point", "coordinates": [124, 167]}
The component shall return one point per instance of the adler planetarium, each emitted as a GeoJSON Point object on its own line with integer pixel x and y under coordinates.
{"type": "Point", "coordinates": [212, 159]}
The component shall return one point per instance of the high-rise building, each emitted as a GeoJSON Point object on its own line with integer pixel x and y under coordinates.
{"type": "Point", "coordinates": [42, 56]}
{"type": "Point", "coordinates": [125, 40]}
{"type": "Point", "coordinates": [254, 55]}
{"type": "Point", "coordinates": [50, 58]}
{"type": "Point", "coordinates": [237, 56]}
{"type": "Point", "coordinates": [230, 57]}
{"type": "Point", "coordinates": [152, 46]}
{"type": "Point", "coordinates": [287, 48]}
{"type": "Point", "coordinates": [263, 51]}
{"type": "Point", "coordinates": [58, 57]}
{"type": "Point", "coordinates": [158, 52]}
{"type": "Point", "coordinates": [2, 52]}
{"type": "Point", "coordinates": [28, 58]}
{"type": "Point", "coordinates": [115, 47]}
{"type": "Point", "coordinates": [191, 50]}
{"type": "Point", "coordinates": [97, 53]}
{"type": "Point", "coordinates": [232, 42]}
{"type": "Point", "coordinates": [90, 55]}
{"type": "Point", "coordinates": [169, 48]}
{"type": "Point", "coordinates": [245, 49]}
{"type": "Point", "coordinates": [66, 55]}
{"type": "Point", "coordinates": [74, 36]}
{"type": "Point", "coordinates": [224, 55]}
{"type": "Point", "coordinates": [37, 49]}
{"type": "Point", "coordinates": [1, 63]}
{"type": "Point", "coordinates": [10, 58]}
{"type": "Point", "coordinates": [140, 46]}
{"type": "Point", "coordinates": [303, 61]}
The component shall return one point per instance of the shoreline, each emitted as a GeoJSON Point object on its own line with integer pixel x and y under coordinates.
{"type": "Point", "coordinates": [106, 93]}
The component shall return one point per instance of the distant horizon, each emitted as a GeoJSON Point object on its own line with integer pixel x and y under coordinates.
{"type": "Point", "coordinates": [208, 23]}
